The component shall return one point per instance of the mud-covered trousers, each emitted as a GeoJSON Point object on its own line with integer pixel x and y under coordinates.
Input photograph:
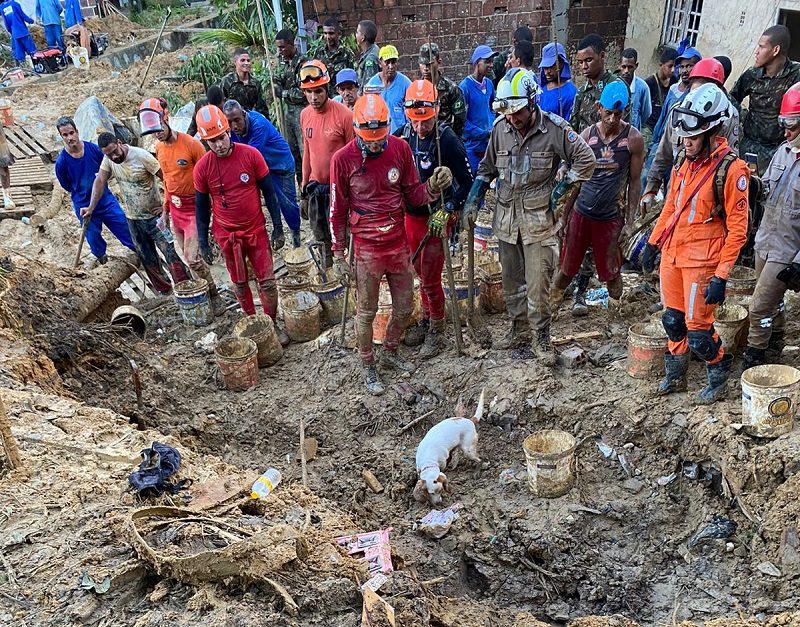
{"type": "Point", "coordinates": [112, 217]}
{"type": "Point", "coordinates": [184, 228]}
{"type": "Point", "coordinates": [766, 306]}
{"type": "Point", "coordinates": [148, 239]}
{"type": "Point", "coordinates": [428, 266]}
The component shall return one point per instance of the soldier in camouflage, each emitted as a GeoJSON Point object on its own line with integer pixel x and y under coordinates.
{"type": "Point", "coordinates": [368, 64]}
{"type": "Point", "coordinates": [501, 62]}
{"type": "Point", "coordinates": [287, 86]}
{"type": "Point", "coordinates": [452, 108]}
{"type": "Point", "coordinates": [765, 84]}
{"type": "Point", "coordinates": [333, 54]}
{"type": "Point", "coordinates": [242, 86]}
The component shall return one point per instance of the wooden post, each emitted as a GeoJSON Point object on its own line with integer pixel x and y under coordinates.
{"type": "Point", "coordinates": [268, 55]}
{"type": "Point", "coordinates": [10, 450]}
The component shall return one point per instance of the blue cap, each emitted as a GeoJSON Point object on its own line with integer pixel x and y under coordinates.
{"type": "Point", "coordinates": [550, 53]}
{"type": "Point", "coordinates": [689, 53]}
{"type": "Point", "coordinates": [482, 52]}
{"type": "Point", "coordinates": [616, 96]}
{"type": "Point", "coordinates": [346, 76]}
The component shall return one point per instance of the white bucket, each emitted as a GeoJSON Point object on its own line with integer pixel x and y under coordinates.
{"type": "Point", "coordinates": [550, 456]}
{"type": "Point", "coordinates": [769, 398]}
{"type": "Point", "coordinates": [80, 57]}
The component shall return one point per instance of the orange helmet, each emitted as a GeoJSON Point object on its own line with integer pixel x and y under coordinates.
{"type": "Point", "coordinates": [211, 122]}
{"type": "Point", "coordinates": [152, 115]}
{"type": "Point", "coordinates": [371, 118]}
{"type": "Point", "coordinates": [314, 74]}
{"type": "Point", "coordinates": [421, 100]}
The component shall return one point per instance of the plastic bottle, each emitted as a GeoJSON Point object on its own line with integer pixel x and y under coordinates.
{"type": "Point", "coordinates": [265, 484]}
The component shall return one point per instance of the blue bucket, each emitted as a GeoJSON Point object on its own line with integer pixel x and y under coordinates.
{"type": "Point", "coordinates": [193, 302]}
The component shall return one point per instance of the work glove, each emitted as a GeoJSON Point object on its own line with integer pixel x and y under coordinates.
{"type": "Point", "coordinates": [715, 291]}
{"type": "Point", "coordinates": [342, 269]}
{"type": "Point", "coordinates": [561, 195]}
{"type": "Point", "coordinates": [649, 255]}
{"type": "Point", "coordinates": [440, 180]}
{"type": "Point", "coordinates": [437, 225]}
{"type": "Point", "coordinates": [278, 240]}
{"type": "Point", "coordinates": [469, 215]}
{"type": "Point", "coordinates": [206, 253]}
{"type": "Point", "coordinates": [791, 276]}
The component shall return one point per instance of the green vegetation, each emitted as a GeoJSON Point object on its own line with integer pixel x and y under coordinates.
{"type": "Point", "coordinates": [153, 14]}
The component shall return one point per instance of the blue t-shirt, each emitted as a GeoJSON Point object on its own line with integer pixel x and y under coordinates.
{"type": "Point", "coordinates": [394, 96]}
{"type": "Point", "coordinates": [77, 176]}
{"type": "Point", "coordinates": [72, 13]}
{"type": "Point", "coordinates": [265, 138]}
{"type": "Point", "coordinates": [480, 117]}
{"type": "Point", "coordinates": [563, 96]}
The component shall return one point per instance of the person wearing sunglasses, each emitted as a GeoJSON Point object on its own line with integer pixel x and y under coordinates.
{"type": "Point", "coordinates": [777, 242]}
{"type": "Point", "coordinates": [699, 237]}
{"type": "Point", "coordinates": [373, 180]}
{"type": "Point", "coordinates": [287, 86]}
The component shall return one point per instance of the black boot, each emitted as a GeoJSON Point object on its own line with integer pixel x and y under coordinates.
{"type": "Point", "coordinates": [753, 357]}
{"type": "Point", "coordinates": [675, 380]}
{"type": "Point", "coordinates": [579, 307]}
{"type": "Point", "coordinates": [718, 375]}
{"type": "Point", "coordinates": [517, 337]}
{"type": "Point", "coordinates": [416, 335]}
{"type": "Point", "coordinates": [775, 347]}
{"type": "Point", "coordinates": [434, 339]}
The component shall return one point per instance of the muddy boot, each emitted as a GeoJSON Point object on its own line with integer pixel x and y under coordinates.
{"type": "Point", "coordinates": [675, 381]}
{"type": "Point", "coordinates": [296, 239]}
{"type": "Point", "coordinates": [517, 337]}
{"type": "Point", "coordinates": [718, 375]}
{"type": "Point", "coordinates": [775, 347]}
{"type": "Point", "coordinates": [278, 240]}
{"type": "Point", "coordinates": [579, 307]}
{"type": "Point", "coordinates": [542, 348]}
{"type": "Point", "coordinates": [371, 380]}
{"type": "Point", "coordinates": [393, 359]}
{"type": "Point", "coordinates": [434, 340]}
{"type": "Point", "coordinates": [753, 357]}
{"type": "Point", "coordinates": [218, 305]}
{"type": "Point", "coordinates": [416, 335]}
{"type": "Point", "coordinates": [102, 260]}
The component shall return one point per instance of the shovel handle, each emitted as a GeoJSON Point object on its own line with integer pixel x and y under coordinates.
{"type": "Point", "coordinates": [86, 221]}
{"type": "Point", "coordinates": [471, 270]}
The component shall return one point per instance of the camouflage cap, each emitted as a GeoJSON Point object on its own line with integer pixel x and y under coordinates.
{"type": "Point", "coordinates": [428, 53]}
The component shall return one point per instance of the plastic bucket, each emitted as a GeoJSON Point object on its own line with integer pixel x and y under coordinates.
{"type": "Point", "coordinates": [769, 399]}
{"type": "Point", "coordinates": [331, 297]}
{"type": "Point", "coordinates": [462, 296]}
{"type": "Point", "coordinates": [492, 297]}
{"type": "Point", "coordinates": [6, 113]}
{"type": "Point", "coordinates": [647, 344]}
{"type": "Point", "coordinates": [299, 261]}
{"type": "Point", "coordinates": [484, 240]}
{"type": "Point", "coordinates": [301, 313]}
{"type": "Point", "coordinates": [193, 302]}
{"type": "Point", "coordinates": [741, 282]}
{"type": "Point", "coordinates": [80, 57]}
{"type": "Point", "coordinates": [237, 360]}
{"type": "Point", "coordinates": [130, 317]}
{"type": "Point", "coordinates": [729, 321]}
{"type": "Point", "coordinates": [551, 462]}
{"type": "Point", "coordinates": [294, 283]}
{"type": "Point", "coordinates": [261, 330]}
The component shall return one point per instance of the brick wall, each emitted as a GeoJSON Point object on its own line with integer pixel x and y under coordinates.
{"type": "Point", "coordinates": [89, 8]}
{"type": "Point", "coordinates": [459, 26]}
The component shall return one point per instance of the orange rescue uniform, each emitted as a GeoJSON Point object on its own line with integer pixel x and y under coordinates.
{"type": "Point", "coordinates": [323, 134]}
{"type": "Point", "coordinates": [701, 245]}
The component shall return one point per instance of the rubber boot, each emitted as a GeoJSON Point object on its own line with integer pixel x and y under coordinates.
{"type": "Point", "coordinates": [775, 347]}
{"type": "Point", "coordinates": [8, 202]}
{"type": "Point", "coordinates": [675, 379]}
{"type": "Point", "coordinates": [278, 240]}
{"type": "Point", "coordinates": [371, 380]}
{"type": "Point", "coordinates": [218, 305]}
{"type": "Point", "coordinates": [393, 359]}
{"type": "Point", "coordinates": [102, 260]}
{"type": "Point", "coordinates": [518, 336]}
{"type": "Point", "coordinates": [434, 339]}
{"type": "Point", "coordinates": [296, 238]}
{"type": "Point", "coordinates": [543, 348]}
{"type": "Point", "coordinates": [579, 307]}
{"type": "Point", "coordinates": [753, 357]}
{"type": "Point", "coordinates": [718, 375]}
{"type": "Point", "coordinates": [416, 335]}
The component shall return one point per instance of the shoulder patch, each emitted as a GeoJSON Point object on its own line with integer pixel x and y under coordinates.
{"type": "Point", "coordinates": [572, 137]}
{"type": "Point", "coordinates": [741, 183]}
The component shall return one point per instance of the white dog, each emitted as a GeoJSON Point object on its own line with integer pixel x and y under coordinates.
{"type": "Point", "coordinates": [434, 450]}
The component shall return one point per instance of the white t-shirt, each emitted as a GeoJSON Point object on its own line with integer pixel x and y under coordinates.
{"type": "Point", "coordinates": [136, 177]}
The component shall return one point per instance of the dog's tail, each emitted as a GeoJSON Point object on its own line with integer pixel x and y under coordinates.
{"type": "Point", "coordinates": [479, 410]}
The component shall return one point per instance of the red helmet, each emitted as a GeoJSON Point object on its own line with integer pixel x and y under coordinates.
{"type": "Point", "coordinates": [709, 68]}
{"type": "Point", "coordinates": [152, 115]}
{"type": "Point", "coordinates": [790, 105]}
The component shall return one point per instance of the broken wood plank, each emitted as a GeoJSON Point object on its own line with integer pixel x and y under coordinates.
{"type": "Point", "coordinates": [31, 172]}
{"type": "Point", "coordinates": [584, 335]}
{"type": "Point", "coordinates": [21, 195]}
{"type": "Point", "coordinates": [16, 214]}
{"type": "Point", "coordinates": [23, 143]}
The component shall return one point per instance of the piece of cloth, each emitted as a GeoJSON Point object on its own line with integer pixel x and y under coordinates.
{"type": "Point", "coordinates": [426, 158]}
{"type": "Point", "coordinates": [428, 266]}
{"type": "Point", "coordinates": [335, 60]}
{"type": "Point", "coordinates": [682, 289]}
{"type": "Point", "coordinates": [370, 195]}
{"type": "Point", "coordinates": [605, 195]}
{"type": "Point", "coordinates": [602, 236]}
{"type": "Point", "coordinates": [766, 305]}
{"type": "Point", "coordinates": [525, 168]}
{"type": "Point", "coordinates": [318, 218]}
{"type": "Point", "coordinates": [249, 94]}
{"type": "Point", "coordinates": [641, 108]}
{"type": "Point", "coordinates": [658, 94]}
{"type": "Point", "coordinates": [159, 463]}
{"type": "Point", "coordinates": [72, 13]}
{"type": "Point", "coordinates": [480, 117]}
{"type": "Point", "coordinates": [394, 95]}
{"type": "Point", "coordinates": [239, 247]}
{"type": "Point", "coordinates": [177, 160]}
{"type": "Point", "coordinates": [584, 112]}
{"type": "Point", "coordinates": [148, 238]}
{"type": "Point", "coordinates": [16, 20]}
{"type": "Point", "coordinates": [232, 182]}
{"type": "Point", "coordinates": [183, 224]}
{"type": "Point", "coordinates": [263, 136]}
{"type": "Point", "coordinates": [558, 100]}
{"type": "Point", "coordinates": [324, 132]}
{"type": "Point", "coordinates": [21, 46]}
{"type": "Point", "coordinates": [778, 236]}
{"type": "Point", "coordinates": [137, 180]}
{"type": "Point", "coordinates": [367, 66]}
{"type": "Point", "coordinates": [452, 108]}
{"type": "Point", "coordinates": [372, 264]}
{"type": "Point", "coordinates": [700, 239]}
{"type": "Point", "coordinates": [760, 126]}
{"type": "Point", "coordinates": [49, 12]}
{"type": "Point", "coordinates": [54, 36]}
{"type": "Point", "coordinates": [526, 270]}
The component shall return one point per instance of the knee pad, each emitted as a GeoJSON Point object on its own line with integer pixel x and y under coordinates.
{"type": "Point", "coordinates": [674, 322]}
{"type": "Point", "coordinates": [703, 344]}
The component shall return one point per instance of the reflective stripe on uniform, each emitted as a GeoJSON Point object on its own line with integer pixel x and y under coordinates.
{"type": "Point", "coordinates": [692, 296]}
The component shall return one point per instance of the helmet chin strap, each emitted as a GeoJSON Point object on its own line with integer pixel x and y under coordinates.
{"type": "Point", "coordinates": [365, 152]}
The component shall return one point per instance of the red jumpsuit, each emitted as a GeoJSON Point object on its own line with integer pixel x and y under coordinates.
{"type": "Point", "coordinates": [370, 194]}
{"type": "Point", "coordinates": [238, 222]}
{"type": "Point", "coordinates": [699, 247]}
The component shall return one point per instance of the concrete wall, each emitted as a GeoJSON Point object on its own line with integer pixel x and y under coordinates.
{"type": "Point", "coordinates": [727, 27]}
{"type": "Point", "coordinates": [88, 7]}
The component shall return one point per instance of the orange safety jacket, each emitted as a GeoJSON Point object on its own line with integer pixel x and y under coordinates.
{"type": "Point", "coordinates": [693, 230]}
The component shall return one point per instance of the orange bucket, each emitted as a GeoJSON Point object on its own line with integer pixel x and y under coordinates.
{"type": "Point", "coordinates": [647, 344]}
{"type": "Point", "coordinates": [7, 115]}
{"type": "Point", "coordinates": [237, 360]}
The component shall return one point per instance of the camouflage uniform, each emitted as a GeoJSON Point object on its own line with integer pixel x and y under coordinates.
{"type": "Point", "coordinates": [249, 94]}
{"type": "Point", "coordinates": [584, 112]}
{"type": "Point", "coordinates": [287, 88]}
{"type": "Point", "coordinates": [336, 60]}
{"type": "Point", "coordinates": [761, 132]}
{"type": "Point", "coordinates": [452, 108]}
{"type": "Point", "coordinates": [367, 66]}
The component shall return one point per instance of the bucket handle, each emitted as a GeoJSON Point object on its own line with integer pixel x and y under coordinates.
{"type": "Point", "coordinates": [572, 449]}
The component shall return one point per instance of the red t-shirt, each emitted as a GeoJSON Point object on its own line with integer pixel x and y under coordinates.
{"type": "Point", "coordinates": [232, 182]}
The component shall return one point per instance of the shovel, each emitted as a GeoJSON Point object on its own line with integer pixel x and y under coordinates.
{"type": "Point", "coordinates": [317, 250]}
{"type": "Point", "coordinates": [86, 221]}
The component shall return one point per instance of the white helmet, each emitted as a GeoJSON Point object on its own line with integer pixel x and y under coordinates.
{"type": "Point", "coordinates": [702, 109]}
{"type": "Point", "coordinates": [515, 91]}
